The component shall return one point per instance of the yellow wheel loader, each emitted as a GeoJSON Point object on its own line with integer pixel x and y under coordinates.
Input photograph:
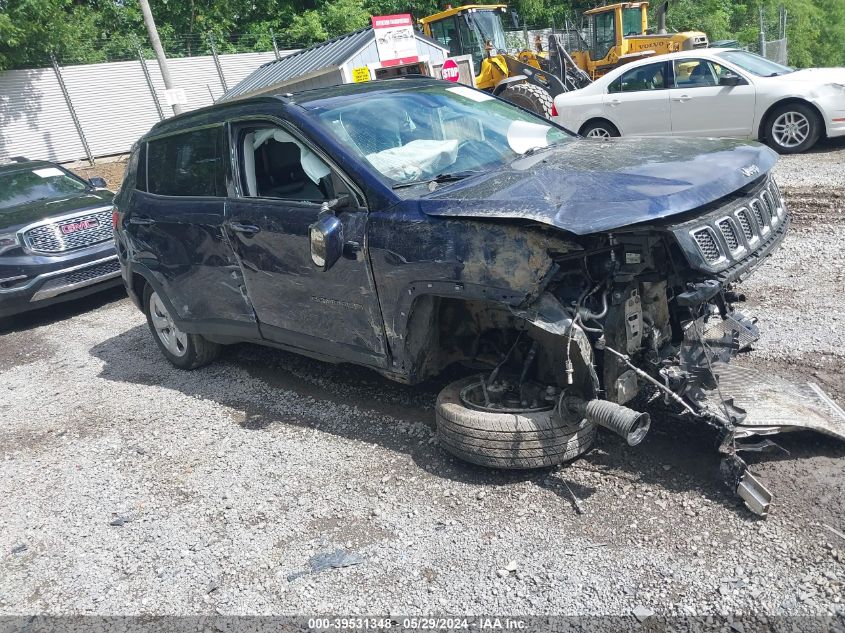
{"type": "Point", "coordinates": [618, 33]}
{"type": "Point", "coordinates": [527, 79]}
{"type": "Point", "coordinates": [615, 34]}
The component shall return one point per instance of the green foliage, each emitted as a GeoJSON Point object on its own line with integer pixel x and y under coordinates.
{"type": "Point", "coordinates": [83, 31]}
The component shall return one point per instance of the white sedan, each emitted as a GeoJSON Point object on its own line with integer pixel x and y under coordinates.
{"type": "Point", "coordinates": [712, 92]}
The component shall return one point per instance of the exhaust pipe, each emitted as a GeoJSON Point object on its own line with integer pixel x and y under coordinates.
{"type": "Point", "coordinates": [628, 424]}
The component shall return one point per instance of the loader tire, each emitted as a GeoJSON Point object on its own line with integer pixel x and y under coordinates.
{"type": "Point", "coordinates": [507, 440]}
{"type": "Point", "coordinates": [529, 97]}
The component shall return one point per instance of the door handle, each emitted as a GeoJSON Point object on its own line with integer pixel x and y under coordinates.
{"type": "Point", "coordinates": [247, 229]}
{"type": "Point", "coordinates": [141, 220]}
{"type": "Point", "coordinates": [682, 98]}
{"type": "Point", "coordinates": [614, 102]}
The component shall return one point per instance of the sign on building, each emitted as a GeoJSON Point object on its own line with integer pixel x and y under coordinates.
{"type": "Point", "coordinates": [360, 74]}
{"type": "Point", "coordinates": [395, 39]}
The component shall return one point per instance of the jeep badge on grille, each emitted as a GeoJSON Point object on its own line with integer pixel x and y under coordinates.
{"type": "Point", "coordinates": [751, 170]}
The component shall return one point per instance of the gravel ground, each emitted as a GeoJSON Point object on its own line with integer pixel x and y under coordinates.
{"type": "Point", "coordinates": [129, 487]}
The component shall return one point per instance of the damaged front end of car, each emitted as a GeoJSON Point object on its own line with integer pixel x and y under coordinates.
{"type": "Point", "coordinates": [650, 312]}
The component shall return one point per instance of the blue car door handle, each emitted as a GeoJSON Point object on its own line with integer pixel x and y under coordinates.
{"type": "Point", "coordinates": [247, 229]}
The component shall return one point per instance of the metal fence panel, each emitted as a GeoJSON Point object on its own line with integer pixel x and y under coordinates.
{"type": "Point", "coordinates": [34, 118]}
{"type": "Point", "coordinates": [113, 104]}
{"type": "Point", "coordinates": [112, 101]}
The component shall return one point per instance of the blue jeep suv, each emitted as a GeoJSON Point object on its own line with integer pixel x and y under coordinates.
{"type": "Point", "coordinates": [410, 225]}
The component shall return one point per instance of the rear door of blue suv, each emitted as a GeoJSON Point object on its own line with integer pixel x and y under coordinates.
{"type": "Point", "coordinates": [213, 233]}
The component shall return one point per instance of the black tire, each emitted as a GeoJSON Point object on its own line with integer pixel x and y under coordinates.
{"type": "Point", "coordinates": [530, 97]}
{"type": "Point", "coordinates": [599, 128]}
{"type": "Point", "coordinates": [196, 351]}
{"type": "Point", "coordinates": [802, 115]}
{"type": "Point", "coordinates": [507, 440]}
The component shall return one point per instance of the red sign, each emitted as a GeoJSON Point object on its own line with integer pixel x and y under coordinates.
{"type": "Point", "coordinates": [450, 71]}
{"type": "Point", "coordinates": [396, 41]}
{"type": "Point", "coordinates": [83, 225]}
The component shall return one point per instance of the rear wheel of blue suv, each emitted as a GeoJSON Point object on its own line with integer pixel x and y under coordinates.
{"type": "Point", "coordinates": [185, 351]}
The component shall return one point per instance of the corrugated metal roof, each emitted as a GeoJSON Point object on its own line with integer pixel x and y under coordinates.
{"type": "Point", "coordinates": [327, 55]}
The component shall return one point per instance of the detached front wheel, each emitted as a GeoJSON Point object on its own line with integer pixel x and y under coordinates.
{"type": "Point", "coordinates": [510, 439]}
{"type": "Point", "coordinates": [185, 351]}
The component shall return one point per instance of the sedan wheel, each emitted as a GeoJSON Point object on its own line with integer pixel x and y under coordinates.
{"type": "Point", "coordinates": [793, 128]}
{"type": "Point", "coordinates": [599, 130]}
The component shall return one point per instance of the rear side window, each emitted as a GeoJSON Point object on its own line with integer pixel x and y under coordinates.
{"type": "Point", "coordinates": [649, 77]}
{"type": "Point", "coordinates": [189, 164]}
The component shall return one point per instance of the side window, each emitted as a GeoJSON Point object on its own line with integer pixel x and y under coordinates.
{"type": "Point", "coordinates": [189, 164]}
{"type": "Point", "coordinates": [695, 73]}
{"type": "Point", "coordinates": [141, 171]}
{"type": "Point", "coordinates": [604, 35]}
{"type": "Point", "coordinates": [276, 164]}
{"type": "Point", "coordinates": [649, 77]}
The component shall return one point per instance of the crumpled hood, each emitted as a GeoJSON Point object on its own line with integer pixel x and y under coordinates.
{"type": "Point", "coordinates": [588, 186]}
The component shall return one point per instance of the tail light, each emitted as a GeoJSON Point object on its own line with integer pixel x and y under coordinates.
{"type": "Point", "coordinates": [554, 109]}
{"type": "Point", "coordinates": [115, 218]}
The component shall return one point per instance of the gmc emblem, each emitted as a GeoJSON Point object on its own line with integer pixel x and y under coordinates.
{"type": "Point", "coordinates": [82, 225]}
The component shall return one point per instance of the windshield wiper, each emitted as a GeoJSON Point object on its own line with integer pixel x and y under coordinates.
{"type": "Point", "coordinates": [439, 178]}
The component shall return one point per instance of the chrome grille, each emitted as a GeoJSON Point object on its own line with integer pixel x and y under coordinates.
{"type": "Point", "coordinates": [717, 241]}
{"type": "Point", "coordinates": [729, 234]}
{"type": "Point", "coordinates": [776, 197]}
{"type": "Point", "coordinates": [69, 233]}
{"type": "Point", "coordinates": [760, 215]}
{"type": "Point", "coordinates": [708, 245]}
{"type": "Point", "coordinates": [769, 205]}
{"type": "Point", "coordinates": [745, 223]}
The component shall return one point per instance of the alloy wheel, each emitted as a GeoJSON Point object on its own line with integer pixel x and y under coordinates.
{"type": "Point", "coordinates": [790, 129]}
{"type": "Point", "coordinates": [598, 132]}
{"type": "Point", "coordinates": [174, 340]}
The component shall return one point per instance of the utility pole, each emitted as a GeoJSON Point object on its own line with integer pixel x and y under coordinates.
{"type": "Point", "coordinates": [157, 48]}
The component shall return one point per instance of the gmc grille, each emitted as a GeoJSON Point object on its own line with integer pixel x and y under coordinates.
{"type": "Point", "coordinates": [69, 233]}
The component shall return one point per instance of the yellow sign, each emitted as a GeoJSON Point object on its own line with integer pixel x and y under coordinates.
{"type": "Point", "coordinates": [362, 73]}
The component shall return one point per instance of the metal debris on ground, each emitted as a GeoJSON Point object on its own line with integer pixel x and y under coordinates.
{"type": "Point", "coordinates": [334, 560]}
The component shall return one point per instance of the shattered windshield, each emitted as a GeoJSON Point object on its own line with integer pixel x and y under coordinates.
{"type": "Point", "coordinates": [435, 132]}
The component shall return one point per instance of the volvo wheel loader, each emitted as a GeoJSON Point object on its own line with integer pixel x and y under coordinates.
{"type": "Point", "coordinates": [618, 33]}
{"type": "Point", "coordinates": [614, 34]}
{"type": "Point", "coordinates": [528, 79]}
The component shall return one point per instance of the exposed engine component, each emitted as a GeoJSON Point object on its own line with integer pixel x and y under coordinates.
{"type": "Point", "coordinates": [628, 424]}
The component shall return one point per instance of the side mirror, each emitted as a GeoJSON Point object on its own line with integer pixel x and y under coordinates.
{"type": "Point", "coordinates": [326, 237]}
{"type": "Point", "coordinates": [97, 182]}
{"type": "Point", "coordinates": [730, 80]}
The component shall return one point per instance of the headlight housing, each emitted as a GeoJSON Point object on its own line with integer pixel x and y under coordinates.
{"type": "Point", "coordinates": [8, 242]}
